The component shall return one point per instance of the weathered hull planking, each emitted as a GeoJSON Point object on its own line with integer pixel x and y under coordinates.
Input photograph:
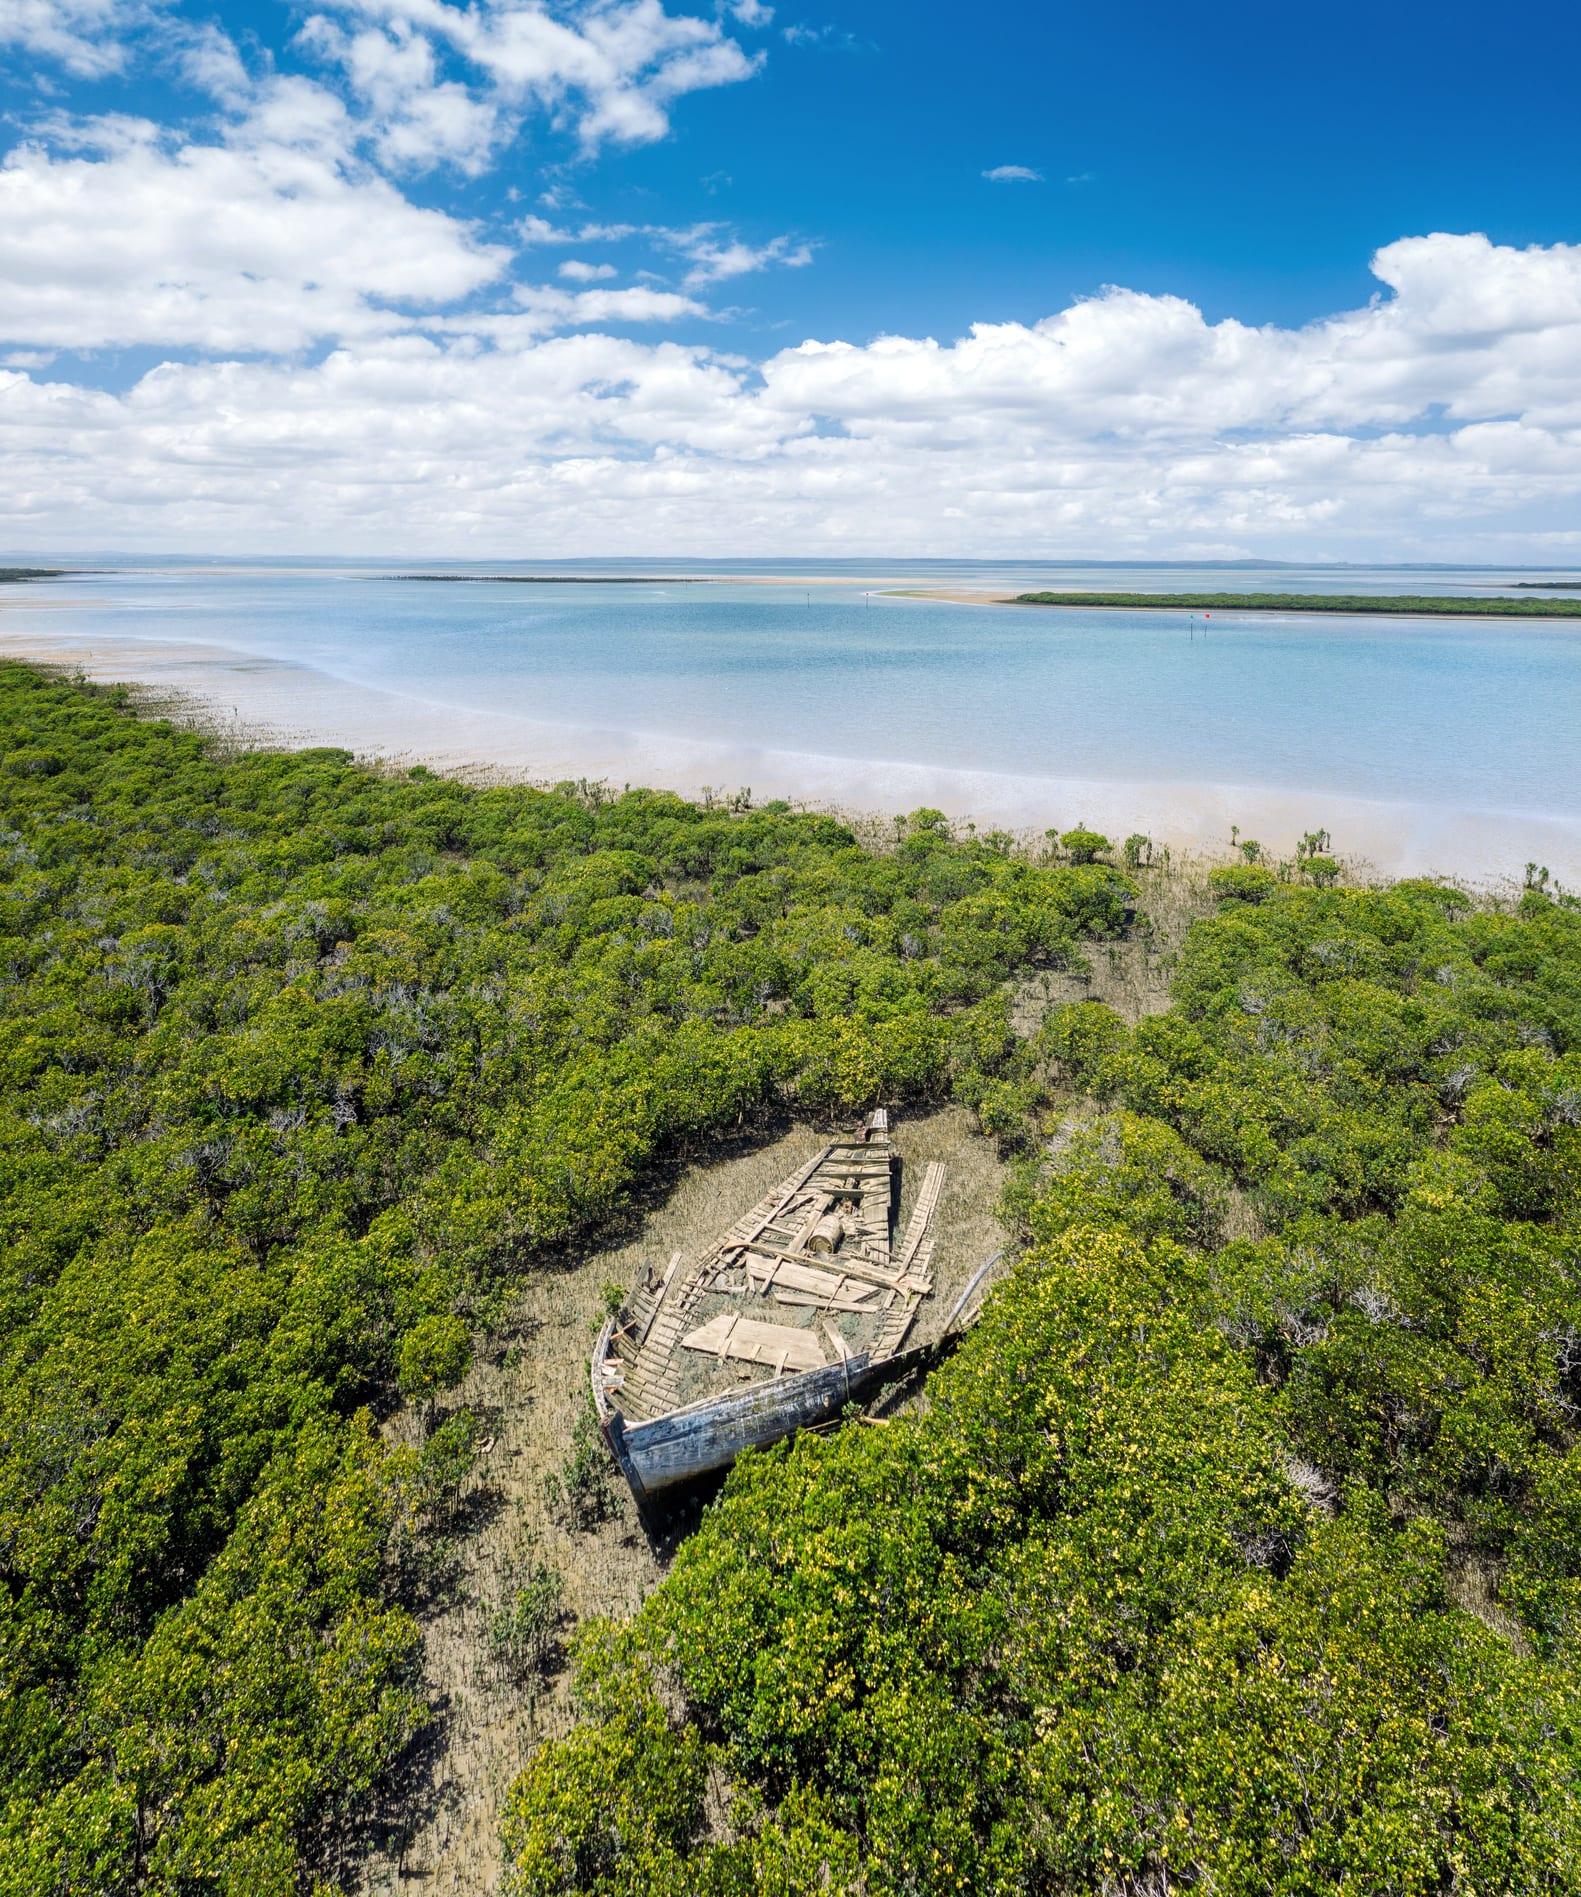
{"type": "Point", "coordinates": [801, 1307]}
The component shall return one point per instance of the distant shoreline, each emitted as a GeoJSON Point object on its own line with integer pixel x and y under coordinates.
{"type": "Point", "coordinates": [564, 579]}
{"type": "Point", "coordinates": [1350, 605]}
{"type": "Point", "coordinates": [1254, 604]}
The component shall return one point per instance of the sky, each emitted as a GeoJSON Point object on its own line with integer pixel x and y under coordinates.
{"type": "Point", "coordinates": [524, 278]}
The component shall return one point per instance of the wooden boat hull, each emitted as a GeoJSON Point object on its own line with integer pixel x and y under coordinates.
{"type": "Point", "coordinates": [809, 1271]}
{"type": "Point", "coordinates": [685, 1445]}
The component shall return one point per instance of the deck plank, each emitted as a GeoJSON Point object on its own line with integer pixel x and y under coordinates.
{"type": "Point", "coordinates": [750, 1341]}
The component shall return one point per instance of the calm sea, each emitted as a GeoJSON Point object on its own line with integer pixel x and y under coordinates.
{"type": "Point", "coordinates": [1478, 722]}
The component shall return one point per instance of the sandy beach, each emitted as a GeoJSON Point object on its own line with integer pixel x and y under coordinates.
{"type": "Point", "coordinates": [273, 702]}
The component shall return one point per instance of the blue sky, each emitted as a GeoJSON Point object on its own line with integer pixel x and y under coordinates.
{"type": "Point", "coordinates": [618, 223]}
{"type": "Point", "coordinates": [1246, 156]}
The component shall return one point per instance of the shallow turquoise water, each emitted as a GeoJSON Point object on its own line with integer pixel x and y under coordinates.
{"type": "Point", "coordinates": [1482, 717]}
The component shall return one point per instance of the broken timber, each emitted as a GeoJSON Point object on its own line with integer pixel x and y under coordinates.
{"type": "Point", "coordinates": [686, 1374]}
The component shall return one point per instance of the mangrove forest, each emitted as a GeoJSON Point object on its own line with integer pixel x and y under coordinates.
{"type": "Point", "coordinates": [1237, 1548]}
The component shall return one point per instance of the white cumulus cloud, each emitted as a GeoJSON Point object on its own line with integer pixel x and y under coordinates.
{"type": "Point", "coordinates": [1013, 174]}
{"type": "Point", "coordinates": [265, 243]}
{"type": "Point", "coordinates": [84, 36]}
{"type": "Point", "coordinates": [437, 83]}
{"type": "Point", "coordinates": [610, 70]}
{"type": "Point", "coordinates": [546, 307]}
{"type": "Point", "coordinates": [415, 118]}
{"type": "Point", "coordinates": [1443, 419]}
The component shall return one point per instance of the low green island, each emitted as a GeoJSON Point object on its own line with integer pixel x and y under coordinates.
{"type": "Point", "coordinates": [1440, 606]}
{"type": "Point", "coordinates": [10, 575]}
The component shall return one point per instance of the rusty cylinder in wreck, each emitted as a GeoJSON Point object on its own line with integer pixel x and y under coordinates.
{"type": "Point", "coordinates": [827, 1233]}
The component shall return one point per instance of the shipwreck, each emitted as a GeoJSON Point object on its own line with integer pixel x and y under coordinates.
{"type": "Point", "coordinates": [804, 1305]}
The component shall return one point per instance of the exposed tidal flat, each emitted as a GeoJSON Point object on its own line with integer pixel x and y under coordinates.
{"type": "Point", "coordinates": [1419, 743]}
